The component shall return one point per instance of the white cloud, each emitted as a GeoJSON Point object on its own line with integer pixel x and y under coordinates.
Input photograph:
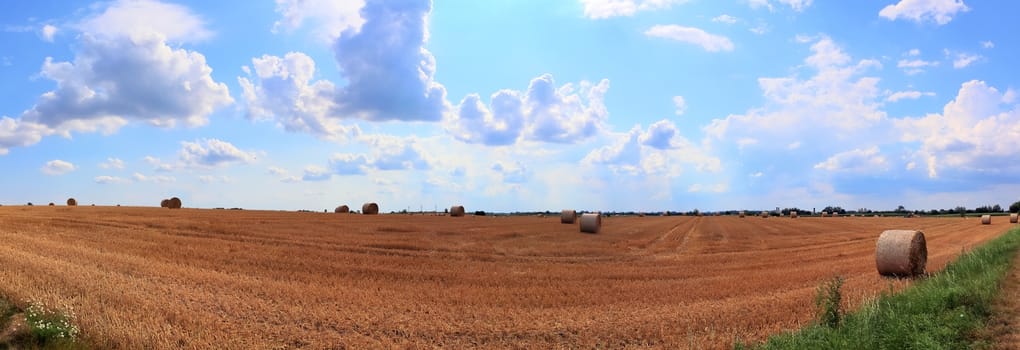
{"type": "Point", "coordinates": [19, 133]}
{"type": "Point", "coordinates": [760, 29]}
{"type": "Point", "coordinates": [755, 174]}
{"type": "Point", "coordinates": [47, 32]}
{"type": "Point", "coordinates": [316, 173]}
{"type": "Point", "coordinates": [724, 18]}
{"type": "Point", "coordinates": [388, 72]}
{"type": "Point", "coordinates": [58, 167]}
{"type": "Point", "coordinates": [793, 145]}
{"type": "Point", "coordinates": [968, 135]}
{"type": "Point", "coordinates": [680, 105]}
{"type": "Point", "coordinates": [282, 90]}
{"type": "Point", "coordinates": [915, 66]}
{"type": "Point", "coordinates": [545, 113]}
{"type": "Point", "coordinates": [709, 42]}
{"type": "Point", "coordinates": [213, 178]}
{"type": "Point", "coordinates": [112, 163]}
{"type": "Point", "coordinates": [601, 9]}
{"type": "Point", "coordinates": [328, 16]}
{"type": "Point", "coordinates": [662, 134]}
{"type": "Point", "coordinates": [145, 18]}
{"type": "Point", "coordinates": [827, 55]}
{"type": "Point", "coordinates": [836, 104]}
{"type": "Point", "coordinates": [273, 170]}
{"type": "Point", "coordinates": [106, 179]}
{"type": "Point", "coordinates": [622, 156]}
{"type": "Point", "coordinates": [857, 160]}
{"type": "Point", "coordinates": [113, 81]}
{"type": "Point", "coordinates": [796, 5]}
{"type": "Point", "coordinates": [394, 153]}
{"type": "Point", "coordinates": [963, 60]}
{"type": "Point", "coordinates": [659, 150]}
{"type": "Point", "coordinates": [499, 124]}
{"type": "Point", "coordinates": [348, 164]}
{"type": "Point", "coordinates": [938, 11]}
{"type": "Point", "coordinates": [513, 173]}
{"type": "Point", "coordinates": [907, 95]}
{"type": "Point", "coordinates": [155, 179]}
{"type": "Point", "coordinates": [158, 164]}
{"type": "Point", "coordinates": [987, 44]}
{"type": "Point", "coordinates": [213, 152]}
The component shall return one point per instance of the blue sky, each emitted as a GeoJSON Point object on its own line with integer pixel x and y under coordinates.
{"type": "Point", "coordinates": [511, 105]}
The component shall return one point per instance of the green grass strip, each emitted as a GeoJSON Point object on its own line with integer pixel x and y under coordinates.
{"type": "Point", "coordinates": [943, 311]}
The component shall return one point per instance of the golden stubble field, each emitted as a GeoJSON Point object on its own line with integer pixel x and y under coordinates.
{"type": "Point", "coordinates": [156, 278]}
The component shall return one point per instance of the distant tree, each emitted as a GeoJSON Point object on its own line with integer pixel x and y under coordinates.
{"type": "Point", "coordinates": [901, 209]}
{"type": "Point", "coordinates": [960, 210]}
{"type": "Point", "coordinates": [1015, 207]}
{"type": "Point", "coordinates": [996, 209]}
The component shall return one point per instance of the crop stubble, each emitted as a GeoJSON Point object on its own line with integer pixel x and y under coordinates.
{"type": "Point", "coordinates": [150, 278]}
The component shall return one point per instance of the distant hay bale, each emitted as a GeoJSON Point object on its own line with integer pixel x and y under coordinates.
{"type": "Point", "coordinates": [165, 203]}
{"type": "Point", "coordinates": [641, 215]}
{"type": "Point", "coordinates": [764, 214]}
{"type": "Point", "coordinates": [370, 209]}
{"type": "Point", "coordinates": [72, 202]}
{"type": "Point", "coordinates": [986, 219]}
{"type": "Point", "coordinates": [901, 253]}
{"type": "Point", "coordinates": [175, 203]}
{"type": "Point", "coordinates": [1013, 218]}
{"type": "Point", "coordinates": [825, 214]}
{"type": "Point", "coordinates": [591, 222]}
{"type": "Point", "coordinates": [568, 216]}
{"type": "Point", "coordinates": [793, 214]}
{"type": "Point", "coordinates": [343, 209]}
{"type": "Point", "coordinates": [742, 214]}
{"type": "Point", "coordinates": [457, 210]}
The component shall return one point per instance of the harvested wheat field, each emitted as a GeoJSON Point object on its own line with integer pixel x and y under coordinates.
{"type": "Point", "coordinates": [190, 278]}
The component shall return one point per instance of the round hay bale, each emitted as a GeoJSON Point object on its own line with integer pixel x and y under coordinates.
{"type": "Point", "coordinates": [343, 209]}
{"type": "Point", "coordinates": [742, 214]}
{"type": "Point", "coordinates": [370, 209]}
{"type": "Point", "coordinates": [591, 222]}
{"type": "Point", "coordinates": [793, 214]}
{"type": "Point", "coordinates": [174, 203]}
{"type": "Point", "coordinates": [1013, 218]}
{"type": "Point", "coordinates": [901, 253]}
{"type": "Point", "coordinates": [457, 210]}
{"type": "Point", "coordinates": [986, 219]}
{"type": "Point", "coordinates": [765, 214]}
{"type": "Point", "coordinates": [72, 202]}
{"type": "Point", "coordinates": [825, 214]}
{"type": "Point", "coordinates": [568, 216]}
{"type": "Point", "coordinates": [165, 203]}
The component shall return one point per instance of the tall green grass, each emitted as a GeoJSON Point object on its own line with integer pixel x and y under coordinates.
{"type": "Point", "coordinates": [943, 311]}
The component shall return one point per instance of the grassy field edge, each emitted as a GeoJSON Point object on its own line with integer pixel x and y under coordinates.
{"type": "Point", "coordinates": [943, 311]}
